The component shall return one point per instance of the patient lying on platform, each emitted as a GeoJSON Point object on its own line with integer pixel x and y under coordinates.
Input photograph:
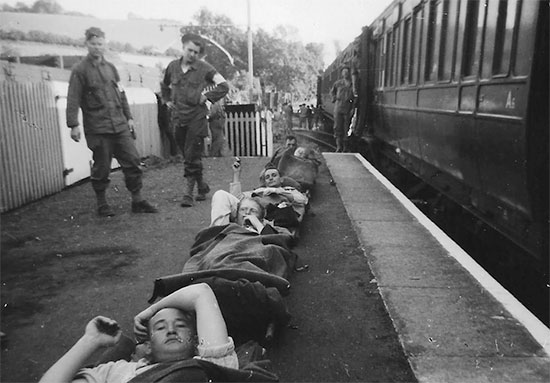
{"type": "Point", "coordinates": [184, 326]}
{"type": "Point", "coordinates": [274, 204]}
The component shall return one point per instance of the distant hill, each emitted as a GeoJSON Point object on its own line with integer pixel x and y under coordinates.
{"type": "Point", "coordinates": [137, 32]}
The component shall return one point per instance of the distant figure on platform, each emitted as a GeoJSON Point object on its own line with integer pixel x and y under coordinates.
{"type": "Point", "coordinates": [317, 117]}
{"type": "Point", "coordinates": [344, 99]}
{"type": "Point", "coordinates": [288, 112]}
{"type": "Point", "coordinates": [95, 88]}
{"type": "Point", "coordinates": [183, 90]}
{"type": "Point", "coordinates": [216, 121]}
{"type": "Point", "coordinates": [309, 116]}
{"type": "Point", "coordinates": [303, 116]}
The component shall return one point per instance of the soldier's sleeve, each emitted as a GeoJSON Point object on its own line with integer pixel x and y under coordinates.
{"type": "Point", "coordinates": [334, 91]}
{"type": "Point", "coordinates": [165, 93]}
{"type": "Point", "coordinates": [221, 89]}
{"type": "Point", "coordinates": [124, 100]}
{"type": "Point", "coordinates": [74, 97]}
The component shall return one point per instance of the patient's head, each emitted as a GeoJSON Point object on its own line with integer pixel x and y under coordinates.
{"type": "Point", "coordinates": [172, 335]}
{"type": "Point", "coordinates": [291, 142]}
{"type": "Point", "coordinates": [301, 152]}
{"type": "Point", "coordinates": [270, 177]}
{"type": "Point", "coordinates": [249, 206]}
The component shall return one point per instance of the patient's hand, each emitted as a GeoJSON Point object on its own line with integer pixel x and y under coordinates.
{"type": "Point", "coordinates": [253, 221]}
{"type": "Point", "coordinates": [103, 331]}
{"type": "Point", "coordinates": [271, 190]}
{"type": "Point", "coordinates": [236, 170]}
{"type": "Point", "coordinates": [236, 165]}
{"type": "Point", "coordinates": [141, 321]}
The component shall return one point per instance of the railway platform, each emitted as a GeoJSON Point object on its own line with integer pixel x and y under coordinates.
{"type": "Point", "coordinates": [366, 254]}
{"type": "Point", "coordinates": [454, 321]}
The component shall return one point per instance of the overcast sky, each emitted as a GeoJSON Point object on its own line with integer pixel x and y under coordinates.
{"type": "Point", "coordinates": [322, 21]}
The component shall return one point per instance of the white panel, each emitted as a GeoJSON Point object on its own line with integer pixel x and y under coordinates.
{"type": "Point", "coordinates": [77, 158]}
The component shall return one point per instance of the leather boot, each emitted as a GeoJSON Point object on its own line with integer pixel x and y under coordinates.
{"type": "Point", "coordinates": [203, 189]}
{"type": "Point", "coordinates": [187, 200]}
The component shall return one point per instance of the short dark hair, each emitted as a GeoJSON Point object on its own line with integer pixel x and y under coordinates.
{"type": "Point", "coordinates": [198, 40]}
{"type": "Point", "coordinates": [93, 32]}
{"type": "Point", "coordinates": [290, 137]}
{"type": "Point", "coordinates": [267, 167]}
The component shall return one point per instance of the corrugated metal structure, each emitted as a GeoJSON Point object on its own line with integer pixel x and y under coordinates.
{"type": "Point", "coordinates": [38, 156]}
{"type": "Point", "coordinates": [31, 157]}
{"type": "Point", "coordinates": [143, 105]}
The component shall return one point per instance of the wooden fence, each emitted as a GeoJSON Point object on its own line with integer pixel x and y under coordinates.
{"type": "Point", "coordinates": [247, 135]}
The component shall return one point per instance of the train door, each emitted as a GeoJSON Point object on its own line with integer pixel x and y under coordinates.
{"type": "Point", "coordinates": [496, 55]}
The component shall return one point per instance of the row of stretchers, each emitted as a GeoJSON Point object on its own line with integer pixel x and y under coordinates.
{"type": "Point", "coordinates": [249, 274]}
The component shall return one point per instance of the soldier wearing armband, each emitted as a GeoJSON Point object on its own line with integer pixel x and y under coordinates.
{"type": "Point", "coordinates": [189, 87]}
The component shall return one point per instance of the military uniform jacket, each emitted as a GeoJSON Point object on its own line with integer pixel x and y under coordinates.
{"type": "Point", "coordinates": [342, 95]}
{"type": "Point", "coordinates": [185, 89]}
{"type": "Point", "coordinates": [95, 88]}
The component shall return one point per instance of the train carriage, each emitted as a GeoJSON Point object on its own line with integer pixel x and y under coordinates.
{"type": "Point", "coordinates": [456, 92]}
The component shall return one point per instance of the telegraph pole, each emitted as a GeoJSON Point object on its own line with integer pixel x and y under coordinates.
{"type": "Point", "coordinates": [250, 58]}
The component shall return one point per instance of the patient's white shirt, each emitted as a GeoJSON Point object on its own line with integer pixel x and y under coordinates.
{"type": "Point", "coordinates": [123, 371]}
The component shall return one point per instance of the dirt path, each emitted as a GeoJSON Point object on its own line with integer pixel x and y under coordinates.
{"type": "Point", "coordinates": [61, 265]}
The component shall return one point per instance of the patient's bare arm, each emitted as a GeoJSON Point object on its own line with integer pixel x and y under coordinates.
{"type": "Point", "coordinates": [100, 332]}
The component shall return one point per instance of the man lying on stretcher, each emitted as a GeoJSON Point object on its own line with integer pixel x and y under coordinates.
{"type": "Point", "coordinates": [186, 340]}
{"type": "Point", "coordinates": [274, 203]}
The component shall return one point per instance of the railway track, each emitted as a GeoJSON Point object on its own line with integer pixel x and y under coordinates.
{"type": "Point", "coordinates": [323, 139]}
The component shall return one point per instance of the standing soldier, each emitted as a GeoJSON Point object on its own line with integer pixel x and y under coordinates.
{"type": "Point", "coordinates": [343, 98]}
{"type": "Point", "coordinates": [288, 112]}
{"type": "Point", "coordinates": [183, 90]}
{"type": "Point", "coordinates": [95, 88]}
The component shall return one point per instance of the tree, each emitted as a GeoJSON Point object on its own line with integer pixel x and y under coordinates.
{"type": "Point", "coordinates": [287, 65]}
{"type": "Point", "coordinates": [7, 51]}
{"type": "Point", "coordinates": [221, 29]}
{"type": "Point", "coordinates": [46, 6]}
{"type": "Point", "coordinates": [172, 52]}
{"type": "Point", "coordinates": [148, 50]}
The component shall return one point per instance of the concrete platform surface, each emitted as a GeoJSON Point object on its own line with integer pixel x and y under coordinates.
{"type": "Point", "coordinates": [454, 321]}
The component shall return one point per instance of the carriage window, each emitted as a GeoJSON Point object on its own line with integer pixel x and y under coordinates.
{"type": "Point", "coordinates": [406, 52]}
{"type": "Point", "coordinates": [415, 48]}
{"type": "Point", "coordinates": [472, 36]}
{"type": "Point", "coordinates": [526, 35]}
{"type": "Point", "coordinates": [447, 41]}
{"type": "Point", "coordinates": [504, 36]}
{"type": "Point", "coordinates": [394, 58]}
{"type": "Point", "coordinates": [434, 39]}
{"type": "Point", "coordinates": [389, 58]}
{"type": "Point", "coordinates": [379, 63]}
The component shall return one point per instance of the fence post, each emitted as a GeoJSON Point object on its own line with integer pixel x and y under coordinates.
{"type": "Point", "coordinates": [269, 135]}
